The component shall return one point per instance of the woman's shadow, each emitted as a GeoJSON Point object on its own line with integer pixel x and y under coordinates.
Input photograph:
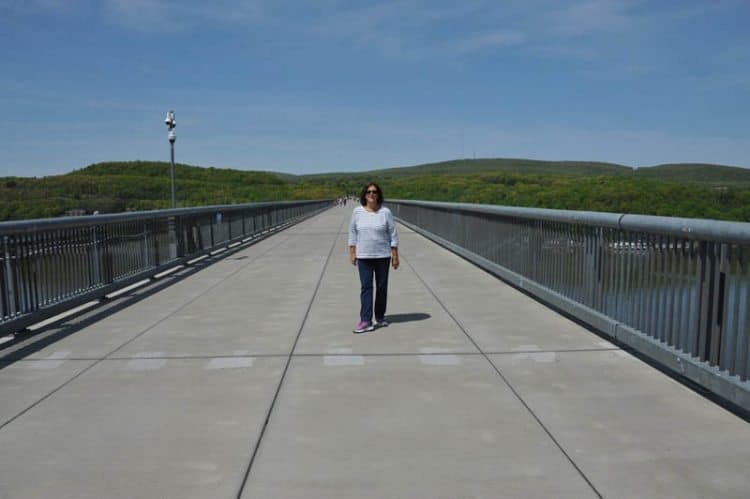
{"type": "Point", "coordinates": [397, 318]}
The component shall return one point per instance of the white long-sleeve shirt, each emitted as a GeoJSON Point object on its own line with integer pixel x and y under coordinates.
{"type": "Point", "coordinates": [373, 232]}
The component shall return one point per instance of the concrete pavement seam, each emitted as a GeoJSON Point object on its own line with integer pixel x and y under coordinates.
{"type": "Point", "coordinates": [505, 380]}
{"type": "Point", "coordinates": [48, 395]}
{"type": "Point", "coordinates": [45, 397]}
{"type": "Point", "coordinates": [286, 367]}
{"type": "Point", "coordinates": [321, 354]}
{"type": "Point", "coordinates": [468, 354]}
{"type": "Point", "coordinates": [203, 293]}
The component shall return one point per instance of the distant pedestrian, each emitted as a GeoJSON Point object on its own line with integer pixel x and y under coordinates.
{"type": "Point", "coordinates": [373, 246]}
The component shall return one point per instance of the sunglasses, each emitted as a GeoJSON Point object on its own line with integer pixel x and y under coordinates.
{"type": "Point", "coordinates": [372, 192]}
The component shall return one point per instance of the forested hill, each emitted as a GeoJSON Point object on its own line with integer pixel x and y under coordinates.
{"type": "Point", "coordinates": [510, 165]}
{"type": "Point", "coordinates": [487, 166]}
{"type": "Point", "coordinates": [157, 170]}
{"type": "Point", "coordinates": [141, 185]}
{"type": "Point", "coordinates": [689, 190]}
{"type": "Point", "coordinates": [708, 174]}
{"type": "Point", "coordinates": [699, 173]}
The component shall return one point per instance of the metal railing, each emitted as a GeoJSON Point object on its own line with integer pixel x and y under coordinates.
{"type": "Point", "coordinates": [50, 265]}
{"type": "Point", "coordinates": [678, 290]}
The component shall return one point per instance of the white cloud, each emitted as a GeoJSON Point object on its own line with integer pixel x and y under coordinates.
{"type": "Point", "coordinates": [490, 40]}
{"type": "Point", "coordinates": [592, 16]}
{"type": "Point", "coordinates": [173, 16]}
{"type": "Point", "coordinates": [140, 15]}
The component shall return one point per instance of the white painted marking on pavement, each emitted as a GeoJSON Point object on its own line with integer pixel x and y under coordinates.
{"type": "Point", "coordinates": [343, 360]}
{"type": "Point", "coordinates": [440, 360]}
{"type": "Point", "coordinates": [543, 356]}
{"type": "Point", "coordinates": [59, 355]}
{"type": "Point", "coordinates": [537, 356]}
{"type": "Point", "coordinates": [230, 362]}
{"type": "Point", "coordinates": [146, 364]}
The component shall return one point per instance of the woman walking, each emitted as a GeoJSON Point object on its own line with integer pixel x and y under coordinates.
{"type": "Point", "coordinates": [373, 246]}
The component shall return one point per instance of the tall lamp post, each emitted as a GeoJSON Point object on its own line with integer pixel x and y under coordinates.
{"type": "Point", "coordinates": [172, 136]}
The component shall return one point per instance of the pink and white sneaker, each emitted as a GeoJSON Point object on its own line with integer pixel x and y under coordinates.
{"type": "Point", "coordinates": [363, 327]}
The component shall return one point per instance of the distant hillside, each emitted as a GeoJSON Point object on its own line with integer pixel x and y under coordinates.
{"type": "Point", "coordinates": [510, 165]}
{"type": "Point", "coordinates": [491, 165]}
{"type": "Point", "coordinates": [160, 170]}
{"type": "Point", "coordinates": [144, 185]}
{"type": "Point", "coordinates": [697, 173]}
{"type": "Point", "coordinates": [689, 190]}
{"type": "Point", "coordinates": [707, 174]}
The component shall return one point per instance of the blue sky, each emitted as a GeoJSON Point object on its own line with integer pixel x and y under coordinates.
{"type": "Point", "coordinates": [310, 86]}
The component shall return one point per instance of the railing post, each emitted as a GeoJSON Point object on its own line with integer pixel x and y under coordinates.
{"type": "Point", "coordinates": [706, 290]}
{"type": "Point", "coordinates": [108, 267]}
{"type": "Point", "coordinates": [156, 242]}
{"type": "Point", "coordinates": [97, 263]}
{"type": "Point", "coordinates": [591, 262]}
{"type": "Point", "coordinates": [717, 326]}
{"type": "Point", "coordinates": [9, 279]}
{"type": "Point", "coordinates": [144, 247]}
{"type": "Point", "coordinates": [172, 230]}
{"type": "Point", "coordinates": [534, 253]}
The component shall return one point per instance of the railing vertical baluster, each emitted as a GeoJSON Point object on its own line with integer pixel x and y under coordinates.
{"type": "Point", "coordinates": [10, 286]}
{"type": "Point", "coordinates": [653, 285]}
{"type": "Point", "coordinates": [623, 288]}
{"type": "Point", "coordinates": [25, 276]}
{"type": "Point", "coordinates": [613, 264]}
{"type": "Point", "coordinates": [34, 263]}
{"type": "Point", "coordinates": [740, 311]}
{"type": "Point", "coordinates": [731, 314]}
{"type": "Point", "coordinates": [711, 333]}
{"type": "Point", "coordinates": [718, 305]}
{"type": "Point", "coordinates": [672, 290]}
{"type": "Point", "coordinates": [681, 303]}
{"type": "Point", "coordinates": [663, 283]}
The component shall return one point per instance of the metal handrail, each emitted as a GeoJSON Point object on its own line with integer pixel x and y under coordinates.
{"type": "Point", "coordinates": [16, 226]}
{"type": "Point", "coordinates": [676, 289]}
{"type": "Point", "coordinates": [51, 265]}
{"type": "Point", "coordinates": [691, 228]}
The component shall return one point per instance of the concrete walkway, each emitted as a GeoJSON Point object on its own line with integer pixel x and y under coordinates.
{"type": "Point", "coordinates": [240, 377]}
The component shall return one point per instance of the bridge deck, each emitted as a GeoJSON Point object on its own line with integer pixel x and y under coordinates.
{"type": "Point", "coordinates": [474, 391]}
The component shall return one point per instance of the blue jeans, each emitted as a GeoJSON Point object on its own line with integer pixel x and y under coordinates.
{"type": "Point", "coordinates": [367, 267]}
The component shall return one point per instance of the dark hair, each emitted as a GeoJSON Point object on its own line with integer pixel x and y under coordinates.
{"type": "Point", "coordinates": [363, 194]}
